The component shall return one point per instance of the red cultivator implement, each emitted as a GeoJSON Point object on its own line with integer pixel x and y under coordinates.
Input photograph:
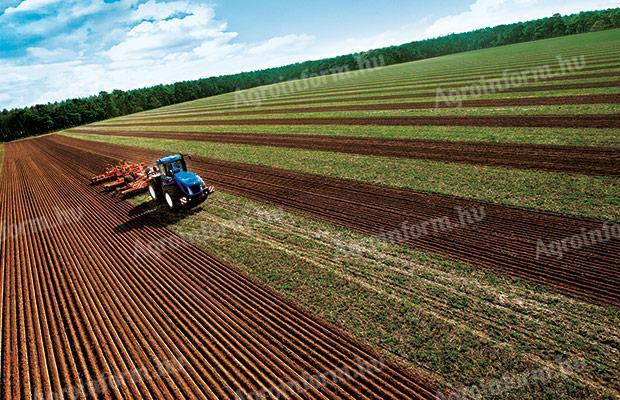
{"type": "Point", "coordinates": [124, 179]}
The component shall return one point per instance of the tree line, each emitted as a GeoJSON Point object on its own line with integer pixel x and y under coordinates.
{"type": "Point", "coordinates": [44, 118]}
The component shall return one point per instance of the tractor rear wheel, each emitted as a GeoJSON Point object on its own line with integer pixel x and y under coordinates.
{"type": "Point", "coordinates": [157, 194]}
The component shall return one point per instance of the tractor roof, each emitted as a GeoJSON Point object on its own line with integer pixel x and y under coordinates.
{"type": "Point", "coordinates": [169, 159]}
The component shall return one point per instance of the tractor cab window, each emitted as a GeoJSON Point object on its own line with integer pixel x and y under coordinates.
{"type": "Point", "coordinates": [177, 166]}
{"type": "Point", "coordinates": [171, 168]}
{"type": "Point", "coordinates": [165, 169]}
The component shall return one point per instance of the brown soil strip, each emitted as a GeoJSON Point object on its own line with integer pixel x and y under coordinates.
{"type": "Point", "coordinates": [100, 301]}
{"type": "Point", "coordinates": [584, 160]}
{"type": "Point", "coordinates": [504, 240]}
{"type": "Point", "coordinates": [600, 121]}
{"type": "Point", "coordinates": [523, 101]}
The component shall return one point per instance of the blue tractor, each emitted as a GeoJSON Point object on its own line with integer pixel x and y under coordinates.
{"type": "Point", "coordinates": [172, 184]}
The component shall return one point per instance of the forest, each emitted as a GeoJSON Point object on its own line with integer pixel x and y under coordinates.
{"type": "Point", "coordinates": [44, 118]}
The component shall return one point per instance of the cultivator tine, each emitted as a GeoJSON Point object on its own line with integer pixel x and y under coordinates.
{"type": "Point", "coordinates": [138, 186]}
{"type": "Point", "coordinates": [124, 179]}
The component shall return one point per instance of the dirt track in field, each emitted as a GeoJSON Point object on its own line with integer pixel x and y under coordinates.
{"type": "Point", "coordinates": [505, 240]}
{"type": "Point", "coordinates": [87, 299]}
{"type": "Point", "coordinates": [601, 121]}
{"type": "Point", "coordinates": [584, 160]}
{"type": "Point", "coordinates": [421, 105]}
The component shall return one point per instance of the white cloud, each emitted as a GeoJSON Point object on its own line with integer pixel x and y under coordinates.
{"type": "Point", "coordinates": [42, 54]}
{"type": "Point", "coordinates": [12, 76]}
{"type": "Point", "coordinates": [485, 13]}
{"type": "Point", "coordinates": [82, 10]}
{"type": "Point", "coordinates": [154, 10]}
{"type": "Point", "coordinates": [217, 48]}
{"type": "Point", "coordinates": [280, 43]}
{"type": "Point", "coordinates": [156, 39]}
{"type": "Point", "coordinates": [395, 36]}
{"type": "Point", "coordinates": [30, 6]}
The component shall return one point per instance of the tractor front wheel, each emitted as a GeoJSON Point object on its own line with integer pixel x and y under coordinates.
{"type": "Point", "coordinates": [172, 199]}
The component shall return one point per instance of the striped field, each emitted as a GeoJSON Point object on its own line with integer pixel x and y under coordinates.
{"type": "Point", "coordinates": [312, 173]}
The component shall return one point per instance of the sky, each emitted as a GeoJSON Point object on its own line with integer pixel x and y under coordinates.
{"type": "Point", "coordinates": [51, 50]}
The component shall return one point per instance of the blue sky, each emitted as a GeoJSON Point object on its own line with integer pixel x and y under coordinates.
{"type": "Point", "coordinates": [56, 49]}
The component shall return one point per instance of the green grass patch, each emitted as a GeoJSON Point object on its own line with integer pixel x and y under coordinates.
{"type": "Point", "coordinates": [573, 194]}
{"type": "Point", "coordinates": [454, 323]}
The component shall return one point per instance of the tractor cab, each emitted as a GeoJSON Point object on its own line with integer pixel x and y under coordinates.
{"type": "Point", "coordinates": [171, 165]}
